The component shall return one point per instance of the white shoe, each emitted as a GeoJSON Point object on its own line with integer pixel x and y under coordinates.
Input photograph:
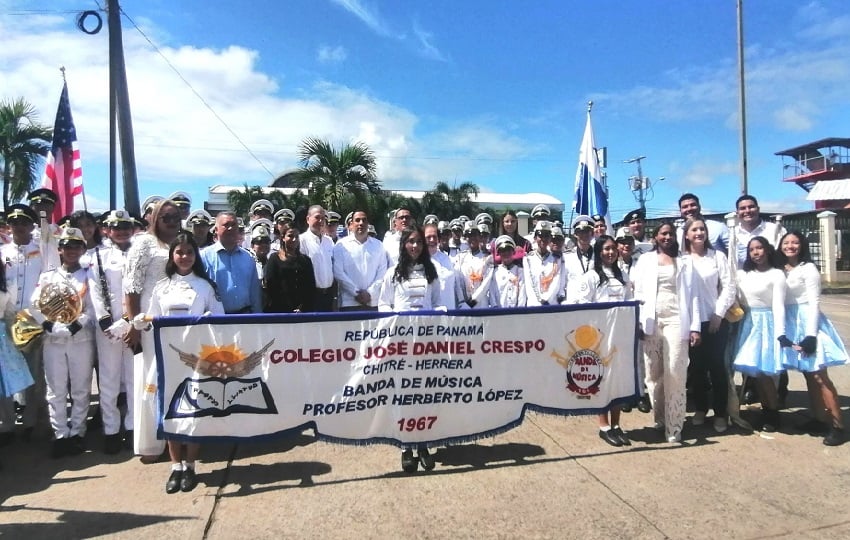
{"type": "Point", "coordinates": [720, 424]}
{"type": "Point", "coordinates": [675, 439]}
{"type": "Point", "coordinates": [698, 418]}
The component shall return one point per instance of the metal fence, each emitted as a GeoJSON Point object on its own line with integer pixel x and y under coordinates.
{"type": "Point", "coordinates": [809, 224]}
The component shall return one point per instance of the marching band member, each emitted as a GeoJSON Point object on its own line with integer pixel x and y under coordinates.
{"type": "Point", "coordinates": [412, 285]}
{"type": "Point", "coordinates": [86, 222]}
{"type": "Point", "coordinates": [187, 290]}
{"type": "Point", "coordinates": [507, 288]}
{"type": "Point", "coordinates": [451, 284]}
{"type": "Point", "coordinates": [475, 269]}
{"type": "Point", "coordinates": [606, 283]}
{"type": "Point", "coordinates": [199, 223]}
{"type": "Point", "coordinates": [261, 243]}
{"type": "Point", "coordinates": [580, 260]}
{"type": "Point", "coordinates": [543, 273]}
{"type": "Point", "coordinates": [115, 358]}
{"type": "Point", "coordinates": [68, 342]}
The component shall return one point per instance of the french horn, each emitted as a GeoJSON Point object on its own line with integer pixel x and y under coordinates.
{"type": "Point", "coordinates": [60, 302]}
{"type": "Point", "coordinates": [25, 330]}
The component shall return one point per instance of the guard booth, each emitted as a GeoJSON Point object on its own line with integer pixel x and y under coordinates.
{"type": "Point", "coordinates": [822, 169]}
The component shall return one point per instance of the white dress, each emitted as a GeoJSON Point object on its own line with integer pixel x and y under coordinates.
{"type": "Point", "coordinates": [413, 294]}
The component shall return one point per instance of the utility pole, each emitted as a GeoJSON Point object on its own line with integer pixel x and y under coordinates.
{"type": "Point", "coordinates": [638, 184]}
{"type": "Point", "coordinates": [742, 109]}
{"type": "Point", "coordinates": [120, 100]}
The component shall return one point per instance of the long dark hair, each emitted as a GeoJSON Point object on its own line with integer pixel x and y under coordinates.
{"type": "Point", "coordinates": [2, 277]}
{"type": "Point", "coordinates": [185, 237]}
{"type": "Point", "coordinates": [805, 255]}
{"type": "Point", "coordinates": [769, 250]}
{"type": "Point", "coordinates": [598, 267]}
{"type": "Point", "coordinates": [675, 242]}
{"type": "Point", "coordinates": [75, 218]}
{"type": "Point", "coordinates": [405, 263]}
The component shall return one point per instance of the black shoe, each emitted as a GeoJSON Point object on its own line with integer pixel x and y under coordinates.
{"type": "Point", "coordinates": [409, 464]}
{"type": "Point", "coordinates": [189, 480]}
{"type": "Point", "coordinates": [26, 434]}
{"type": "Point", "coordinates": [622, 436]}
{"type": "Point", "coordinates": [426, 459]}
{"type": "Point", "coordinates": [770, 421]}
{"type": "Point", "coordinates": [112, 444]}
{"type": "Point", "coordinates": [128, 440]}
{"type": "Point", "coordinates": [59, 448]}
{"type": "Point", "coordinates": [626, 408]}
{"type": "Point", "coordinates": [173, 484]}
{"type": "Point", "coordinates": [644, 405]}
{"type": "Point", "coordinates": [750, 397]}
{"type": "Point", "coordinates": [610, 437]}
{"type": "Point", "coordinates": [76, 446]}
{"type": "Point", "coordinates": [835, 437]}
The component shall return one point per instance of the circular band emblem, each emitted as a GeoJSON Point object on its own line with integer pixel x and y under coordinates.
{"type": "Point", "coordinates": [584, 372]}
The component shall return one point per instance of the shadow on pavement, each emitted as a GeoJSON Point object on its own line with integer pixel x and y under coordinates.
{"type": "Point", "coordinates": [249, 476]}
{"type": "Point", "coordinates": [76, 524]}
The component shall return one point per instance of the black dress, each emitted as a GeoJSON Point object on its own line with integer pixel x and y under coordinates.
{"type": "Point", "coordinates": [288, 284]}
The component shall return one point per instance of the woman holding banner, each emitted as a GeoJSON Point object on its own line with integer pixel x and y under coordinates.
{"type": "Point", "coordinates": [186, 291]}
{"type": "Point", "coordinates": [412, 285]}
{"type": "Point", "coordinates": [146, 261]}
{"type": "Point", "coordinates": [605, 282]}
{"type": "Point", "coordinates": [669, 321]}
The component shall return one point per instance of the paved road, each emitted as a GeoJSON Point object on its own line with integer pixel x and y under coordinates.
{"type": "Point", "coordinates": [550, 478]}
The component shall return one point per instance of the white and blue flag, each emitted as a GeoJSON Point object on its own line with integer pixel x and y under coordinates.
{"type": "Point", "coordinates": [591, 197]}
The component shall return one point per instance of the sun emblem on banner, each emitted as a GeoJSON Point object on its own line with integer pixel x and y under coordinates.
{"type": "Point", "coordinates": [583, 361]}
{"type": "Point", "coordinates": [223, 361]}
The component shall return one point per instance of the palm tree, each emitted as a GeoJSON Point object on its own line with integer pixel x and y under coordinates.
{"type": "Point", "coordinates": [330, 173]}
{"type": "Point", "coordinates": [23, 142]}
{"type": "Point", "coordinates": [449, 202]}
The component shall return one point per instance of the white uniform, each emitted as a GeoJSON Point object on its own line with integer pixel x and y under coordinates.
{"type": "Point", "coordinates": [450, 282]}
{"type": "Point", "coordinates": [115, 359]}
{"type": "Point", "coordinates": [507, 288]}
{"type": "Point", "coordinates": [476, 270]}
{"type": "Point", "coordinates": [413, 294]}
{"type": "Point", "coordinates": [391, 246]}
{"type": "Point", "coordinates": [592, 290]}
{"type": "Point", "coordinates": [68, 358]}
{"type": "Point", "coordinates": [577, 264]}
{"type": "Point", "coordinates": [359, 267]}
{"type": "Point", "coordinates": [184, 295]}
{"type": "Point", "coordinates": [544, 278]}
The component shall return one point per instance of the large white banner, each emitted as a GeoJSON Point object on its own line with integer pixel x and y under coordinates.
{"type": "Point", "coordinates": [390, 378]}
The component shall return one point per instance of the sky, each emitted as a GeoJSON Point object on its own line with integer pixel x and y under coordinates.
{"type": "Point", "coordinates": [493, 93]}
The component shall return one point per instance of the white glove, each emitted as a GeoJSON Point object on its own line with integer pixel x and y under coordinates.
{"type": "Point", "coordinates": [118, 330]}
{"type": "Point", "coordinates": [139, 322]}
{"type": "Point", "coordinates": [60, 330]}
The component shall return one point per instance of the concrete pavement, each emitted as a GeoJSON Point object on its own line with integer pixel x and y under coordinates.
{"type": "Point", "coordinates": [551, 477]}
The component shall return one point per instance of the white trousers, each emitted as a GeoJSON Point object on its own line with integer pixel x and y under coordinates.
{"type": "Point", "coordinates": [68, 371]}
{"type": "Point", "coordinates": [666, 358]}
{"type": "Point", "coordinates": [115, 365]}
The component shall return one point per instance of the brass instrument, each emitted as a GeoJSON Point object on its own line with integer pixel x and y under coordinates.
{"type": "Point", "coordinates": [25, 330]}
{"type": "Point", "coordinates": [60, 302]}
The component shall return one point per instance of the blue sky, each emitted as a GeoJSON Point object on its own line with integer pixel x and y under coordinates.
{"type": "Point", "coordinates": [489, 92]}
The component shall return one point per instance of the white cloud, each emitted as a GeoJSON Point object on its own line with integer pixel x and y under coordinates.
{"type": "Point", "coordinates": [368, 15]}
{"type": "Point", "coordinates": [427, 48]}
{"type": "Point", "coordinates": [793, 118]}
{"type": "Point", "coordinates": [696, 174]}
{"type": "Point", "coordinates": [331, 55]}
{"type": "Point", "coordinates": [178, 139]}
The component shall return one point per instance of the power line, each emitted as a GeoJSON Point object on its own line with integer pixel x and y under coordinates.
{"type": "Point", "coordinates": [187, 83]}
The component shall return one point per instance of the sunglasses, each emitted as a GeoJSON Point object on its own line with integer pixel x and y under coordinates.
{"type": "Point", "coordinates": [170, 218]}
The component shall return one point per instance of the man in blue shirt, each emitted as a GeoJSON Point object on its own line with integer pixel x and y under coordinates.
{"type": "Point", "coordinates": [232, 268]}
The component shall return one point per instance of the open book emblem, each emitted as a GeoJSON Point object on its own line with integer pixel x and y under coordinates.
{"type": "Point", "coordinates": [224, 387]}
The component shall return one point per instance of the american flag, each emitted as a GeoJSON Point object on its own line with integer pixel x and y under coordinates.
{"type": "Point", "coordinates": [64, 171]}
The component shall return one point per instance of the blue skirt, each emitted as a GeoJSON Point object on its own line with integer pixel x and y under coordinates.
{"type": "Point", "coordinates": [830, 350]}
{"type": "Point", "coordinates": [758, 352]}
{"type": "Point", "coordinates": [14, 373]}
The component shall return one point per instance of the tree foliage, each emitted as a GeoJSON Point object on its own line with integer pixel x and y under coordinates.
{"type": "Point", "coordinates": [447, 202]}
{"type": "Point", "coordinates": [23, 144]}
{"type": "Point", "coordinates": [330, 173]}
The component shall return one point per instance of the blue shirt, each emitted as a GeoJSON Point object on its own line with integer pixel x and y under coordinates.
{"type": "Point", "coordinates": [235, 275]}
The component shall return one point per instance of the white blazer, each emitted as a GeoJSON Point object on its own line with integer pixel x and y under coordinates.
{"type": "Point", "coordinates": [645, 278]}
